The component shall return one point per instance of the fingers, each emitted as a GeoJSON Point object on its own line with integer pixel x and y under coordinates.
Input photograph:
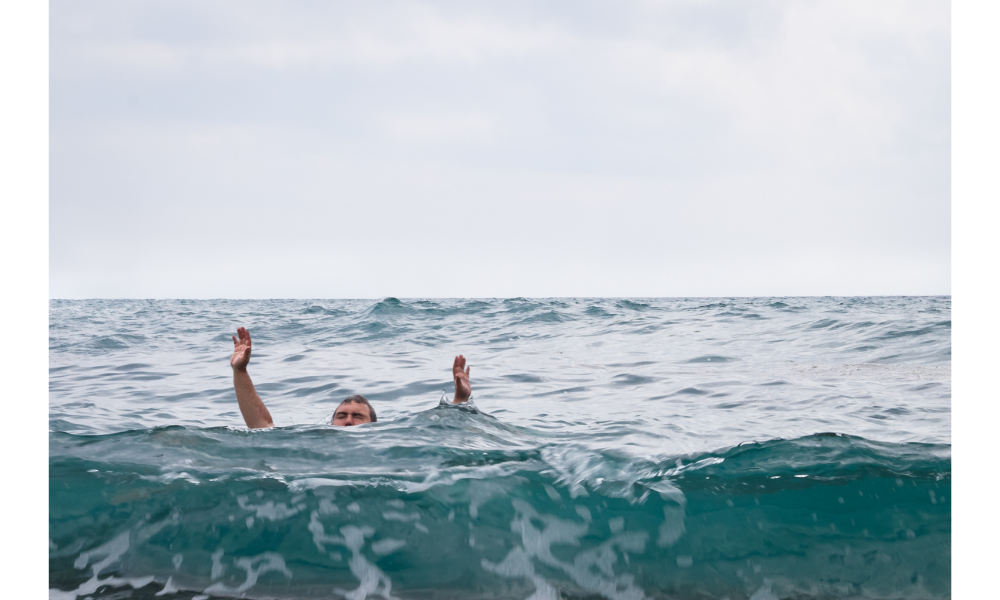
{"type": "Point", "coordinates": [235, 343]}
{"type": "Point", "coordinates": [244, 335]}
{"type": "Point", "coordinates": [459, 367]}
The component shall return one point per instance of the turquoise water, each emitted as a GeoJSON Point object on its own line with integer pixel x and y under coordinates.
{"type": "Point", "coordinates": [644, 448]}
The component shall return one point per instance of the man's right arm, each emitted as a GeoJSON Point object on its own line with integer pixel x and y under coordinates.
{"type": "Point", "coordinates": [254, 412]}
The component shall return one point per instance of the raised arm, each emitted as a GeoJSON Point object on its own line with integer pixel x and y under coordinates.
{"type": "Point", "coordinates": [252, 407]}
{"type": "Point", "coordinates": [461, 374]}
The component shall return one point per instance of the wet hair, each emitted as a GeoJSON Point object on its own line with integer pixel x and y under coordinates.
{"type": "Point", "coordinates": [359, 399]}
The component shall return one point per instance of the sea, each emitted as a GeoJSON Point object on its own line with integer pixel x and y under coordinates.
{"type": "Point", "coordinates": [614, 448]}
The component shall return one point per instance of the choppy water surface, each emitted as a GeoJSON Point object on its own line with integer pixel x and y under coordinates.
{"type": "Point", "coordinates": [622, 449]}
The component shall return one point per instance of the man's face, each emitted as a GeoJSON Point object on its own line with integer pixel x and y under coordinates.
{"type": "Point", "coordinates": [351, 413]}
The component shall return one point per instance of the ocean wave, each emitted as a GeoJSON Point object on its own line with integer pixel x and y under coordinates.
{"type": "Point", "coordinates": [289, 513]}
{"type": "Point", "coordinates": [638, 448]}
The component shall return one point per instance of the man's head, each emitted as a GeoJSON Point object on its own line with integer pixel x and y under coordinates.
{"type": "Point", "coordinates": [354, 410]}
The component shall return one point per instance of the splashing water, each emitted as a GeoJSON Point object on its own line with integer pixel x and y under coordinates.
{"type": "Point", "coordinates": [620, 449]}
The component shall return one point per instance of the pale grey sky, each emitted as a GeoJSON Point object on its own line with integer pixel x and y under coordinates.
{"type": "Point", "coordinates": [442, 149]}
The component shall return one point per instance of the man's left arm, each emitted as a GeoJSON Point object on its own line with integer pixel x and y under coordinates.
{"type": "Point", "coordinates": [461, 374]}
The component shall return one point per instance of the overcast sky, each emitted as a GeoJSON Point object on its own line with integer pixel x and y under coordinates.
{"type": "Point", "coordinates": [473, 149]}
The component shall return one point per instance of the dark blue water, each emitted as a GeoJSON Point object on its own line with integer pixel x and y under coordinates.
{"type": "Point", "coordinates": [624, 449]}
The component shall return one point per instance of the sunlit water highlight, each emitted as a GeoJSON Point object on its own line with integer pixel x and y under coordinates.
{"type": "Point", "coordinates": [622, 449]}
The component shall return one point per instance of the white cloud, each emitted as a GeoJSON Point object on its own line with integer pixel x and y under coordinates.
{"type": "Point", "coordinates": [439, 128]}
{"type": "Point", "coordinates": [408, 33]}
{"type": "Point", "coordinates": [658, 148]}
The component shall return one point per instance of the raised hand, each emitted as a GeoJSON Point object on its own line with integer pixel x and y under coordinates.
{"type": "Point", "coordinates": [241, 351]}
{"type": "Point", "coordinates": [461, 374]}
{"type": "Point", "coordinates": [252, 407]}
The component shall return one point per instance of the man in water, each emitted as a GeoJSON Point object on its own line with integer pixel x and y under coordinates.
{"type": "Point", "coordinates": [354, 410]}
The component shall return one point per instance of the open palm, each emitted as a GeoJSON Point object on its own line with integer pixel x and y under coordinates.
{"type": "Point", "coordinates": [241, 350]}
{"type": "Point", "coordinates": [461, 374]}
